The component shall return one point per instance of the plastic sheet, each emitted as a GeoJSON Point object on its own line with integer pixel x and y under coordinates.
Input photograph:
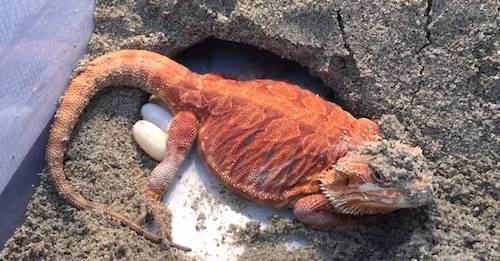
{"type": "Point", "coordinates": [40, 43]}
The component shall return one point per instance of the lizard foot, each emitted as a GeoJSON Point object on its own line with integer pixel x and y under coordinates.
{"type": "Point", "coordinates": [315, 211]}
{"type": "Point", "coordinates": [162, 218]}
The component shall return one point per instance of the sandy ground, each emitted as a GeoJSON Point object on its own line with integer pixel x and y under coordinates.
{"type": "Point", "coordinates": [428, 69]}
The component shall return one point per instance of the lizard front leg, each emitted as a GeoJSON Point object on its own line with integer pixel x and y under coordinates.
{"type": "Point", "coordinates": [181, 136]}
{"type": "Point", "coordinates": [315, 210]}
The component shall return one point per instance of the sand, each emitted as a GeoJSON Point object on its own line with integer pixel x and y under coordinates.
{"type": "Point", "coordinates": [427, 70]}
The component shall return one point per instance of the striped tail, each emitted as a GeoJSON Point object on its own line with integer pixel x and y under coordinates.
{"type": "Point", "coordinates": [145, 70]}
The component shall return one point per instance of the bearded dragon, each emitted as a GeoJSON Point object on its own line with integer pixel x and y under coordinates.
{"type": "Point", "coordinates": [269, 141]}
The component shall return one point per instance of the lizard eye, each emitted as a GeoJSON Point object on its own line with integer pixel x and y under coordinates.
{"type": "Point", "coordinates": [377, 175]}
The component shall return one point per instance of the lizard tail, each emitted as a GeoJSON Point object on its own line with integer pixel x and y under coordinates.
{"type": "Point", "coordinates": [149, 71]}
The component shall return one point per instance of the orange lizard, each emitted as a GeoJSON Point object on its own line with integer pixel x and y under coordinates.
{"type": "Point", "coordinates": [269, 141]}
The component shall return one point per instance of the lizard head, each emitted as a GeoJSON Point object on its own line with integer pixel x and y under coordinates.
{"type": "Point", "coordinates": [378, 177]}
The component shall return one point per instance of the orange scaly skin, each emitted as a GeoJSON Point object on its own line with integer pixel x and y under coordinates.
{"type": "Point", "coordinates": [269, 141]}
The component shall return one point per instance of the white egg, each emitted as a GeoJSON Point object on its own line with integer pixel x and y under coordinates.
{"type": "Point", "coordinates": [150, 138]}
{"type": "Point", "coordinates": [156, 100]}
{"type": "Point", "coordinates": [157, 115]}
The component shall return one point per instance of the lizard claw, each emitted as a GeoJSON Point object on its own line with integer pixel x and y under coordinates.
{"type": "Point", "coordinates": [179, 247]}
{"type": "Point", "coordinates": [161, 217]}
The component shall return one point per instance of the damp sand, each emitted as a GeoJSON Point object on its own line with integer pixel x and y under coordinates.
{"type": "Point", "coordinates": [105, 164]}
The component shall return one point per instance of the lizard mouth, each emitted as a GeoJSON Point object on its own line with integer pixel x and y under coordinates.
{"type": "Point", "coordinates": [369, 198]}
{"type": "Point", "coordinates": [374, 198]}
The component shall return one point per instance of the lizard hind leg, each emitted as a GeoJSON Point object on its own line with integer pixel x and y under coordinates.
{"type": "Point", "coordinates": [181, 136]}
